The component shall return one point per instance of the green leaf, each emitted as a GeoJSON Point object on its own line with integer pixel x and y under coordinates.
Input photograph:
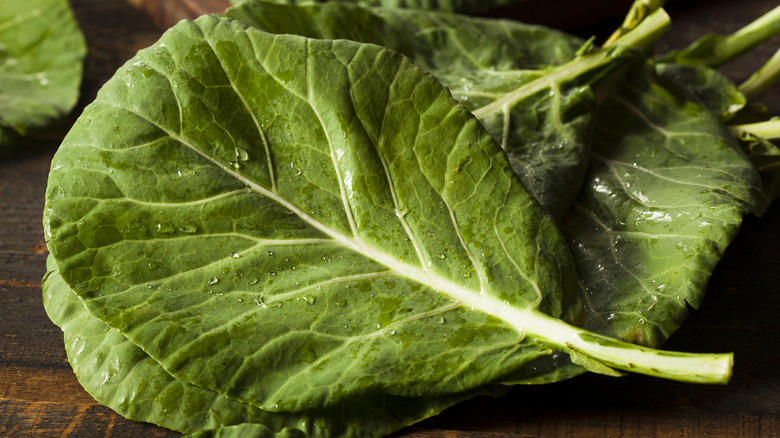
{"type": "Point", "coordinates": [527, 84]}
{"type": "Point", "coordinates": [297, 223]}
{"type": "Point", "coordinates": [41, 57]}
{"type": "Point", "coordinates": [665, 195]}
{"type": "Point", "coordinates": [120, 375]}
{"type": "Point", "coordinates": [703, 85]}
{"type": "Point", "coordinates": [321, 219]}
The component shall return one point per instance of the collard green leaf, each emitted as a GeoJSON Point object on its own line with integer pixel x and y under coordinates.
{"type": "Point", "coordinates": [499, 69]}
{"type": "Point", "coordinates": [665, 194]}
{"type": "Point", "coordinates": [297, 224]}
{"type": "Point", "coordinates": [41, 56]}
{"type": "Point", "coordinates": [703, 85]}
{"type": "Point", "coordinates": [293, 252]}
{"type": "Point", "coordinates": [120, 375]}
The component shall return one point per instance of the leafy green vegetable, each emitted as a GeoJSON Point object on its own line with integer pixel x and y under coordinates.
{"type": "Point", "coordinates": [665, 195]}
{"type": "Point", "coordinates": [431, 40]}
{"type": "Point", "coordinates": [528, 85]}
{"type": "Point", "coordinates": [119, 374]}
{"type": "Point", "coordinates": [345, 230]}
{"type": "Point", "coordinates": [703, 85]}
{"type": "Point", "coordinates": [312, 237]}
{"type": "Point", "coordinates": [41, 56]}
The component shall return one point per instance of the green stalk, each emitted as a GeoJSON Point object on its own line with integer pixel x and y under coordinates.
{"type": "Point", "coordinates": [640, 10]}
{"type": "Point", "coordinates": [714, 50]}
{"type": "Point", "coordinates": [603, 354]}
{"type": "Point", "coordinates": [763, 78]}
{"type": "Point", "coordinates": [768, 130]}
{"type": "Point", "coordinates": [642, 36]}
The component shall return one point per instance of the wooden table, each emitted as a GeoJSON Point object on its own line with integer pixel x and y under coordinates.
{"type": "Point", "coordinates": [39, 395]}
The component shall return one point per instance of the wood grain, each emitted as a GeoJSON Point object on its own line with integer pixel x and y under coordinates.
{"type": "Point", "coordinates": [40, 397]}
{"type": "Point", "coordinates": [166, 13]}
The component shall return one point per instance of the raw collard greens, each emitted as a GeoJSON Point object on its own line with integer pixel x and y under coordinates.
{"type": "Point", "coordinates": [41, 62]}
{"type": "Point", "coordinates": [302, 232]}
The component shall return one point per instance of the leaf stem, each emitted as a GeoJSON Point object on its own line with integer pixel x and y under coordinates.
{"type": "Point", "coordinates": [640, 10]}
{"type": "Point", "coordinates": [686, 367]}
{"type": "Point", "coordinates": [646, 32]}
{"type": "Point", "coordinates": [763, 78]}
{"type": "Point", "coordinates": [769, 130]}
{"type": "Point", "coordinates": [715, 50]}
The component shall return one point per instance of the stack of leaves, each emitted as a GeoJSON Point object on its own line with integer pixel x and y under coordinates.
{"type": "Point", "coordinates": [41, 62]}
{"type": "Point", "coordinates": [324, 219]}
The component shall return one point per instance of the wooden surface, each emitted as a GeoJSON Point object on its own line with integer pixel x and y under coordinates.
{"type": "Point", "coordinates": [40, 397]}
{"type": "Point", "coordinates": [165, 13]}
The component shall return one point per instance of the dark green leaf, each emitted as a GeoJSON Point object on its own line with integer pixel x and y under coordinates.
{"type": "Point", "coordinates": [665, 195]}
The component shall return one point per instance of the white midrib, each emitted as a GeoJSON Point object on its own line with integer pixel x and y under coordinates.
{"type": "Point", "coordinates": [553, 77]}
{"type": "Point", "coordinates": [523, 320]}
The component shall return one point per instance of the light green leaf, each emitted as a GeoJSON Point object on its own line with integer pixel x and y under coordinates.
{"type": "Point", "coordinates": [41, 57]}
{"type": "Point", "coordinates": [329, 224]}
{"type": "Point", "coordinates": [120, 375]}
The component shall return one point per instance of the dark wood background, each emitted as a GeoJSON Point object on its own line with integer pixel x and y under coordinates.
{"type": "Point", "coordinates": [40, 397]}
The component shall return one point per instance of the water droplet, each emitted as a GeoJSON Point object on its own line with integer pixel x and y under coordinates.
{"type": "Point", "coordinates": [235, 255]}
{"type": "Point", "coordinates": [152, 265]}
{"type": "Point", "coordinates": [242, 154]}
{"type": "Point", "coordinates": [341, 303]}
{"type": "Point", "coordinates": [441, 320]}
{"type": "Point", "coordinates": [392, 332]}
{"type": "Point", "coordinates": [271, 273]}
{"type": "Point", "coordinates": [253, 281]}
{"type": "Point", "coordinates": [239, 300]}
{"type": "Point", "coordinates": [442, 256]}
{"type": "Point", "coordinates": [165, 228]}
{"type": "Point", "coordinates": [188, 227]}
{"type": "Point", "coordinates": [309, 299]}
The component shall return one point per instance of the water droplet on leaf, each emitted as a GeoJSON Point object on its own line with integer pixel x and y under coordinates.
{"type": "Point", "coordinates": [165, 228]}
